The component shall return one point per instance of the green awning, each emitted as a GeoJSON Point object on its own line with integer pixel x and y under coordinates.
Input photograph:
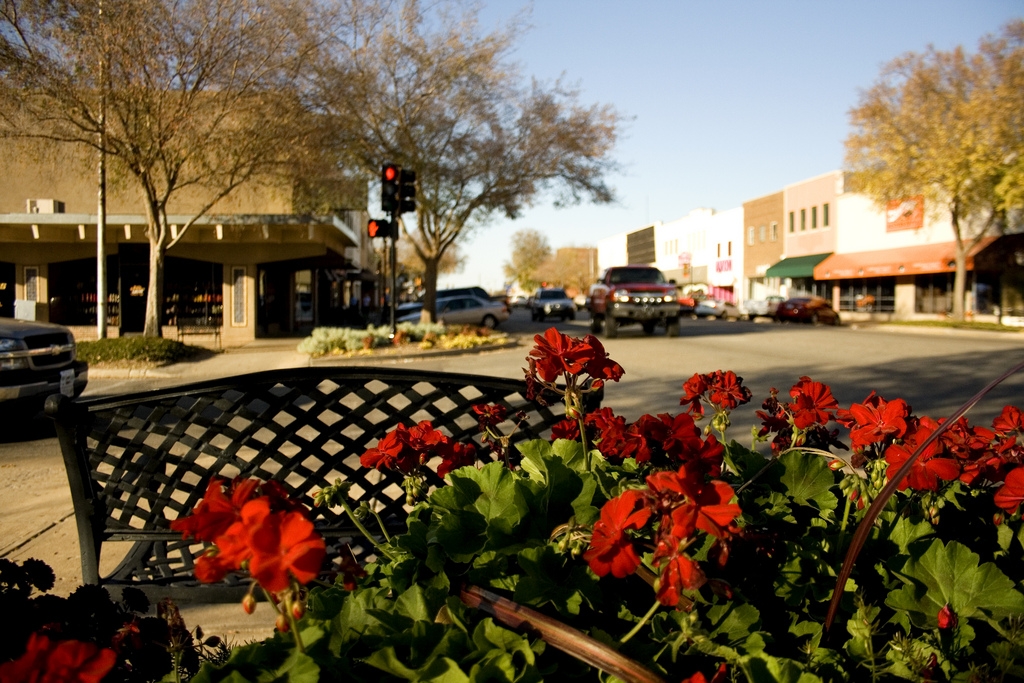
{"type": "Point", "coordinates": [796, 266]}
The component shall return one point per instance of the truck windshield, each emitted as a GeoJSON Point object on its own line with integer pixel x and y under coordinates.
{"type": "Point", "coordinates": [643, 275]}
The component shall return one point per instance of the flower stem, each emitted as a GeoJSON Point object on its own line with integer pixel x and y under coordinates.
{"type": "Point", "coordinates": [640, 624]}
{"type": "Point", "coordinates": [380, 523]}
{"type": "Point", "coordinates": [363, 530]}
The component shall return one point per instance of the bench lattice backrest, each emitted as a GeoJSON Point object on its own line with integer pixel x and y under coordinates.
{"type": "Point", "coordinates": [136, 462]}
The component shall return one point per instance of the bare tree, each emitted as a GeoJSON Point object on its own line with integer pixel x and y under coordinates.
{"type": "Point", "coordinates": [447, 103]}
{"type": "Point", "coordinates": [200, 95]}
{"type": "Point", "coordinates": [530, 250]}
{"type": "Point", "coordinates": [948, 126]}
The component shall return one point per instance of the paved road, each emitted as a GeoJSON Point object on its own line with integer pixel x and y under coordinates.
{"type": "Point", "coordinates": [934, 371]}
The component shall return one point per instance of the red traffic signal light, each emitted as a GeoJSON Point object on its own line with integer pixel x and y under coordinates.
{"type": "Point", "coordinates": [389, 183]}
{"type": "Point", "coordinates": [379, 228]}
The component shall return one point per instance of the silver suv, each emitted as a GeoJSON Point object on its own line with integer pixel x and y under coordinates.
{"type": "Point", "coordinates": [553, 303]}
{"type": "Point", "coordinates": [36, 360]}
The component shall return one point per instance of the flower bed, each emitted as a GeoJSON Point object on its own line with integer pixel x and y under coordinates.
{"type": "Point", "coordinates": [336, 341]}
{"type": "Point", "coordinates": [860, 543]}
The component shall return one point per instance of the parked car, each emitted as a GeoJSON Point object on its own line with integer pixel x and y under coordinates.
{"type": "Point", "coordinates": [552, 303]}
{"type": "Point", "coordinates": [716, 308]}
{"type": "Point", "coordinates": [766, 307]}
{"type": "Point", "coordinates": [38, 359]}
{"type": "Point", "coordinates": [463, 291]}
{"type": "Point", "coordinates": [462, 310]}
{"type": "Point", "coordinates": [813, 309]}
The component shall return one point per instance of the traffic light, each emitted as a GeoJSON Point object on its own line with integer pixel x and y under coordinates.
{"type": "Point", "coordinates": [407, 191]}
{"type": "Point", "coordinates": [379, 228]}
{"type": "Point", "coordinates": [389, 183]}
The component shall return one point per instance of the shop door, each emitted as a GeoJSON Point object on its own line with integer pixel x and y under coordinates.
{"type": "Point", "coordinates": [6, 290]}
{"type": "Point", "coordinates": [134, 262]}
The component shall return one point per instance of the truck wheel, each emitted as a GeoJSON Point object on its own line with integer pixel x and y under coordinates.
{"type": "Point", "coordinates": [672, 327]}
{"type": "Point", "coordinates": [611, 328]}
{"type": "Point", "coordinates": [648, 326]}
{"type": "Point", "coordinates": [595, 324]}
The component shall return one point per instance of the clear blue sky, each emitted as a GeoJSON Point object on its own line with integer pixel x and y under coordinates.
{"type": "Point", "coordinates": [727, 100]}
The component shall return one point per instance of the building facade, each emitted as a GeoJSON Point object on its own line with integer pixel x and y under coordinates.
{"type": "Point", "coordinates": [763, 220]}
{"type": "Point", "coordinates": [249, 268]}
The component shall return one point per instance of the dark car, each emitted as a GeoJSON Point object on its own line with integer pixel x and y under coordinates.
{"type": "Point", "coordinates": [552, 303]}
{"type": "Point", "coordinates": [38, 359]}
{"type": "Point", "coordinates": [813, 309]}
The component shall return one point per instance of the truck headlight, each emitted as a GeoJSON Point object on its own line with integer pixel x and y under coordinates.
{"type": "Point", "coordinates": [668, 298]}
{"type": "Point", "coordinates": [622, 295]}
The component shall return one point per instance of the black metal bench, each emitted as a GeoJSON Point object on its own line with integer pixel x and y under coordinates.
{"type": "Point", "coordinates": [199, 326]}
{"type": "Point", "coordinates": [138, 461]}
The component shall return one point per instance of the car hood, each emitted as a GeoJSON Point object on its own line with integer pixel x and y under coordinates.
{"type": "Point", "coordinates": [11, 328]}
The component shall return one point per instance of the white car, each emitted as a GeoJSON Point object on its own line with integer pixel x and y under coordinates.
{"type": "Point", "coordinates": [716, 308]}
{"type": "Point", "coordinates": [765, 307]}
{"type": "Point", "coordinates": [462, 310]}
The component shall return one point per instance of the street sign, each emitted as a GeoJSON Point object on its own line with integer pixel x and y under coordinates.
{"type": "Point", "coordinates": [684, 258]}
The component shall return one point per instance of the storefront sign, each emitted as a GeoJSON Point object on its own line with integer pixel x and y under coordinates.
{"type": "Point", "coordinates": [904, 214]}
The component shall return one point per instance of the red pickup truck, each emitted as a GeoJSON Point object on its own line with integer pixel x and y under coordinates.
{"type": "Point", "coordinates": [633, 294]}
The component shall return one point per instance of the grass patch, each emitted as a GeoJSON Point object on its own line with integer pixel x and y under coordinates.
{"type": "Point", "coordinates": [135, 350]}
{"type": "Point", "coordinates": [957, 325]}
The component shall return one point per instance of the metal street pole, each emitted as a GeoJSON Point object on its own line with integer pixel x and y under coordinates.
{"type": "Point", "coordinates": [394, 270]}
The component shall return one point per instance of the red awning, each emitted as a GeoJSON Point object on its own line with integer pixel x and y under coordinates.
{"type": "Point", "coordinates": [920, 260]}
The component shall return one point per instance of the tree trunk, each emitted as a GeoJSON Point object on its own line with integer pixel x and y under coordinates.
{"type": "Point", "coordinates": [959, 282]}
{"type": "Point", "coordinates": [960, 274]}
{"type": "Point", "coordinates": [429, 289]}
{"type": "Point", "coordinates": [155, 291]}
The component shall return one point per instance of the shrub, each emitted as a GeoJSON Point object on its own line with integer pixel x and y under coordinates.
{"type": "Point", "coordinates": [135, 349]}
{"type": "Point", "coordinates": [330, 341]}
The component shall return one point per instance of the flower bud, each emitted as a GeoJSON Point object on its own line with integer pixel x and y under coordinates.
{"type": "Point", "coordinates": [997, 518]}
{"type": "Point", "coordinates": [947, 618]}
{"type": "Point", "coordinates": [298, 609]}
{"type": "Point", "coordinates": [249, 603]}
{"type": "Point", "coordinates": [281, 624]}
{"type": "Point", "coordinates": [836, 465]}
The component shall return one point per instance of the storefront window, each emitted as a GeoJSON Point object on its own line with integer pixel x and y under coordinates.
{"type": "Point", "coordinates": [868, 295]}
{"type": "Point", "coordinates": [934, 293]}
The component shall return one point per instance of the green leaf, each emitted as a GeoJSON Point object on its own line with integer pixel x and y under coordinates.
{"type": "Point", "coordinates": [952, 574]}
{"type": "Point", "coordinates": [571, 453]}
{"type": "Point", "coordinates": [905, 532]}
{"type": "Point", "coordinates": [764, 668]}
{"type": "Point", "coordinates": [732, 623]}
{"type": "Point", "coordinates": [807, 480]}
{"type": "Point", "coordinates": [298, 668]}
{"type": "Point", "coordinates": [548, 579]}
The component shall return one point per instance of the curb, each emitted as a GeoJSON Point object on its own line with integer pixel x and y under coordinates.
{"type": "Point", "coordinates": [167, 371]}
{"type": "Point", "coordinates": [936, 331]}
{"type": "Point", "coordinates": [440, 353]}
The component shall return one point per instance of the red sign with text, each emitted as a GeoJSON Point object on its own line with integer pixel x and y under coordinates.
{"type": "Point", "coordinates": [904, 214]}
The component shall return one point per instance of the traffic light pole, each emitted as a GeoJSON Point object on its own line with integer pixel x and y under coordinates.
{"type": "Point", "coordinates": [394, 277]}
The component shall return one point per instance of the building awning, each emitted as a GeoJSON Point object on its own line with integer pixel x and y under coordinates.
{"type": "Point", "coordinates": [917, 260]}
{"type": "Point", "coordinates": [796, 266]}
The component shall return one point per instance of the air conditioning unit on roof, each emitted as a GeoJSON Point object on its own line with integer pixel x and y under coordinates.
{"type": "Point", "coordinates": [44, 206]}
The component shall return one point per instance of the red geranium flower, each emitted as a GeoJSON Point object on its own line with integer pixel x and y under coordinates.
{"type": "Point", "coordinates": [877, 420]}
{"type": "Point", "coordinates": [284, 545]}
{"type": "Point", "coordinates": [694, 389]}
{"type": "Point", "coordinates": [947, 618]}
{"type": "Point", "coordinates": [64, 661]}
{"type": "Point", "coordinates": [1011, 493]}
{"type": "Point", "coordinates": [490, 414]}
{"type": "Point", "coordinates": [698, 677]}
{"type": "Point", "coordinates": [813, 403]}
{"type": "Point", "coordinates": [1009, 421]}
{"type": "Point", "coordinates": [726, 390]}
{"type": "Point", "coordinates": [456, 455]}
{"type": "Point", "coordinates": [679, 573]}
{"type": "Point", "coordinates": [556, 354]}
{"type": "Point", "coordinates": [392, 452]}
{"type": "Point", "coordinates": [611, 548]}
{"type": "Point", "coordinates": [600, 366]}
{"type": "Point", "coordinates": [927, 469]}
{"type": "Point", "coordinates": [566, 429]}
